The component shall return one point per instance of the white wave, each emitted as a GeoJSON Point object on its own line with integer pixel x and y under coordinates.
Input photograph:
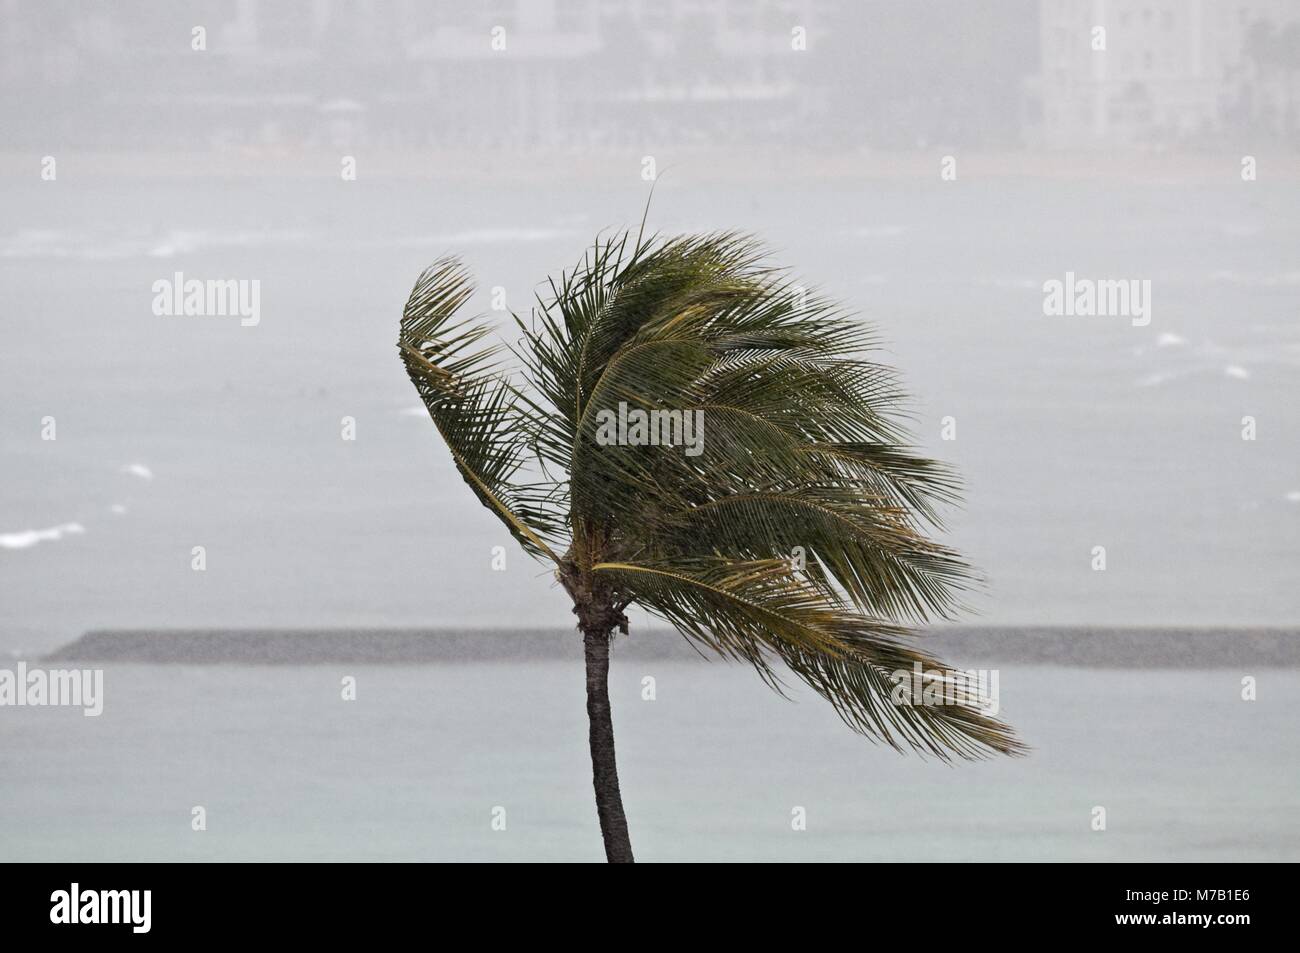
{"type": "Point", "coordinates": [126, 243]}
{"type": "Point", "coordinates": [481, 236]}
{"type": "Point", "coordinates": [25, 539]}
{"type": "Point", "coordinates": [182, 242]}
{"type": "Point", "coordinates": [487, 236]}
{"type": "Point", "coordinates": [1159, 377]}
{"type": "Point", "coordinates": [138, 469]}
{"type": "Point", "coordinates": [1182, 358]}
{"type": "Point", "coordinates": [1278, 279]}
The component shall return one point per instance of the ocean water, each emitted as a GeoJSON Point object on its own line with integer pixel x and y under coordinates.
{"type": "Point", "coordinates": [711, 769]}
{"type": "Point", "coordinates": [1070, 432]}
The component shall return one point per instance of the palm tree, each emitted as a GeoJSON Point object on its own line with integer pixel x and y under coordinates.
{"type": "Point", "coordinates": [803, 456]}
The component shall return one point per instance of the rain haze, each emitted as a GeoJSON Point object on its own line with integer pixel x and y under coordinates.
{"type": "Point", "coordinates": [1078, 249]}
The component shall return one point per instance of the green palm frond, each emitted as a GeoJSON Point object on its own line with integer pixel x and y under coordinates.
{"type": "Point", "coordinates": [804, 447]}
{"type": "Point", "coordinates": [760, 612]}
{"type": "Point", "coordinates": [468, 399]}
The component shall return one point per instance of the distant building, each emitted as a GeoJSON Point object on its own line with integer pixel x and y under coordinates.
{"type": "Point", "coordinates": [1171, 70]}
{"type": "Point", "coordinates": [412, 73]}
{"type": "Point", "coordinates": [581, 73]}
{"type": "Point", "coordinates": [553, 74]}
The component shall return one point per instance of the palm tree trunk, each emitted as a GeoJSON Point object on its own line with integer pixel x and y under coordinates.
{"type": "Point", "coordinates": [604, 771]}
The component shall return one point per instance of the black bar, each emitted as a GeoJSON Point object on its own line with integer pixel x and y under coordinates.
{"type": "Point", "coordinates": [963, 902]}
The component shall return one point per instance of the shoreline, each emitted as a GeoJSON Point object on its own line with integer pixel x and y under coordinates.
{"type": "Point", "coordinates": [687, 165]}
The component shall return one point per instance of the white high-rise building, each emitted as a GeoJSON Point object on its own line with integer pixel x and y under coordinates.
{"type": "Point", "coordinates": [1164, 70]}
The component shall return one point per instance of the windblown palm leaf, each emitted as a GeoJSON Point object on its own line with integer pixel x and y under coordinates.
{"type": "Point", "coordinates": [802, 448]}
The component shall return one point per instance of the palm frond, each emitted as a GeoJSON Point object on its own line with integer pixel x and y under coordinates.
{"type": "Point", "coordinates": [760, 612]}
{"type": "Point", "coordinates": [468, 399]}
{"type": "Point", "coordinates": [804, 446]}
